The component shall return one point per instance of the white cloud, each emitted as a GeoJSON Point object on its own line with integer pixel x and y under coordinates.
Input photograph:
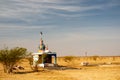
{"type": "Point", "coordinates": [33, 10]}
{"type": "Point", "coordinates": [14, 27]}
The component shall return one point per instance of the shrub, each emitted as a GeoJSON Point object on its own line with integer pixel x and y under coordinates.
{"type": "Point", "coordinates": [95, 57]}
{"type": "Point", "coordinates": [9, 57]}
{"type": "Point", "coordinates": [68, 58]}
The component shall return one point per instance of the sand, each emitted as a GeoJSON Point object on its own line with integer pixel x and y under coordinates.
{"type": "Point", "coordinates": [70, 72]}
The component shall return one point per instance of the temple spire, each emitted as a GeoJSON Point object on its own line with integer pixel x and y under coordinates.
{"type": "Point", "coordinates": [41, 44]}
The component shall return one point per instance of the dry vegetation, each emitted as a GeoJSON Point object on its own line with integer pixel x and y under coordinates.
{"type": "Point", "coordinates": [99, 68]}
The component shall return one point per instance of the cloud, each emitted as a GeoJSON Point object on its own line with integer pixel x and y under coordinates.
{"type": "Point", "coordinates": [14, 27]}
{"type": "Point", "coordinates": [30, 12]}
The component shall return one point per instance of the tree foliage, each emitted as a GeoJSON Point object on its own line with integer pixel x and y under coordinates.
{"type": "Point", "coordinates": [9, 57]}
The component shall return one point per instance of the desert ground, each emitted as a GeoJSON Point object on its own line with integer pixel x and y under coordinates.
{"type": "Point", "coordinates": [99, 68]}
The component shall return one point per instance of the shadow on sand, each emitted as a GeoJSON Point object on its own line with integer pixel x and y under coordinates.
{"type": "Point", "coordinates": [62, 68]}
{"type": "Point", "coordinates": [46, 69]}
{"type": "Point", "coordinates": [26, 72]}
{"type": "Point", "coordinates": [23, 72]}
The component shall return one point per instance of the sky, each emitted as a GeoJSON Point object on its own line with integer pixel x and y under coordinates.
{"type": "Point", "coordinates": [70, 27]}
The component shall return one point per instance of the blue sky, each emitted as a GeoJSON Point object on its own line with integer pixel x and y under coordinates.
{"type": "Point", "coordinates": [70, 27]}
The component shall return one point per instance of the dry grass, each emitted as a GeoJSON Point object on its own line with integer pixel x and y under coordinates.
{"type": "Point", "coordinates": [73, 71]}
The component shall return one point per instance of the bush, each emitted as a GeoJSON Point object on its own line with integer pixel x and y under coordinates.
{"type": "Point", "coordinates": [95, 57]}
{"type": "Point", "coordinates": [9, 57]}
{"type": "Point", "coordinates": [68, 58]}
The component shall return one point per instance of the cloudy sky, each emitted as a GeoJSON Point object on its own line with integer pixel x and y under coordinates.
{"type": "Point", "coordinates": [70, 27]}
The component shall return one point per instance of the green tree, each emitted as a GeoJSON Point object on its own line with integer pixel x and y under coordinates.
{"type": "Point", "coordinates": [9, 57]}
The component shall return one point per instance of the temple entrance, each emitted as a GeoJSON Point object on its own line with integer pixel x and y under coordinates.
{"type": "Point", "coordinates": [45, 58]}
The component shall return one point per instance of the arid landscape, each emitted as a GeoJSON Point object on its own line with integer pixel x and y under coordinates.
{"type": "Point", "coordinates": [98, 68]}
{"type": "Point", "coordinates": [77, 39]}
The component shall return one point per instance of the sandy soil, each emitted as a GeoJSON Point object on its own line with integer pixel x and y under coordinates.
{"type": "Point", "coordinates": [71, 72]}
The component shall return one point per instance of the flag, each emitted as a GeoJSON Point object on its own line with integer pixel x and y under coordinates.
{"type": "Point", "coordinates": [41, 33]}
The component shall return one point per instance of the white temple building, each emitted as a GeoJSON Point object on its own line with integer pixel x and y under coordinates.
{"type": "Point", "coordinates": [44, 57]}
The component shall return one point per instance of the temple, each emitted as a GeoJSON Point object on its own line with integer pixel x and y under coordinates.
{"type": "Point", "coordinates": [44, 57]}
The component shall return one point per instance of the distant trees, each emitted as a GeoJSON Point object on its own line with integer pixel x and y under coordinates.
{"type": "Point", "coordinates": [9, 57]}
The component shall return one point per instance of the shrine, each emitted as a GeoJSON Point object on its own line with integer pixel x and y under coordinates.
{"type": "Point", "coordinates": [44, 57]}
